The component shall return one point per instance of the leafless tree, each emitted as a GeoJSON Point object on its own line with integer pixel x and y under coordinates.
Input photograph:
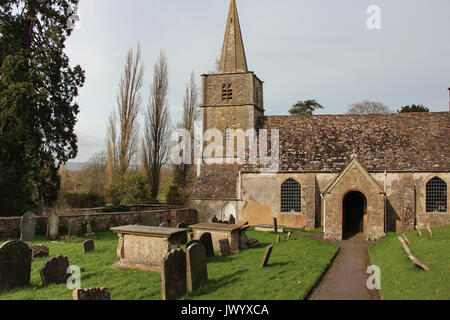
{"type": "Point", "coordinates": [368, 107]}
{"type": "Point", "coordinates": [155, 144]}
{"type": "Point", "coordinates": [190, 111]}
{"type": "Point", "coordinates": [123, 126]}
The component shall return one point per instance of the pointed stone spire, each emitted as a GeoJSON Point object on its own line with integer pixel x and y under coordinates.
{"type": "Point", "coordinates": [233, 54]}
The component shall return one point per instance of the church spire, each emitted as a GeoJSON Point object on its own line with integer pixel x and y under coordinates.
{"type": "Point", "coordinates": [233, 54]}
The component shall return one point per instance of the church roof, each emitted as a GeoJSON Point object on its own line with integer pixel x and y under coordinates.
{"type": "Point", "coordinates": [233, 54]}
{"type": "Point", "coordinates": [409, 142]}
{"type": "Point", "coordinates": [393, 142]}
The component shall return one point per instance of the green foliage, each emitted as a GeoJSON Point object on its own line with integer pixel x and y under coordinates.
{"type": "Point", "coordinates": [180, 189]}
{"type": "Point", "coordinates": [84, 200]}
{"type": "Point", "coordinates": [37, 108]}
{"type": "Point", "coordinates": [132, 188]}
{"type": "Point", "coordinates": [401, 279]}
{"type": "Point", "coordinates": [414, 108]}
{"type": "Point", "coordinates": [293, 269]}
{"type": "Point", "coordinates": [305, 108]}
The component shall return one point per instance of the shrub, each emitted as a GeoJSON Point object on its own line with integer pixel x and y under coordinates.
{"type": "Point", "coordinates": [83, 200]}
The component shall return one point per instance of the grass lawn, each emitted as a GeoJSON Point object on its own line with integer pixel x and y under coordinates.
{"type": "Point", "coordinates": [401, 279]}
{"type": "Point", "coordinates": [293, 269]}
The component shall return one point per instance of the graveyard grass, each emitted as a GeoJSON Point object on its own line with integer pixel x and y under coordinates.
{"type": "Point", "coordinates": [401, 279]}
{"type": "Point", "coordinates": [293, 269]}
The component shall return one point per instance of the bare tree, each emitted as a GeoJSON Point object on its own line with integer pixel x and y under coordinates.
{"type": "Point", "coordinates": [368, 107]}
{"type": "Point", "coordinates": [190, 110]}
{"type": "Point", "coordinates": [155, 144]}
{"type": "Point", "coordinates": [123, 126]}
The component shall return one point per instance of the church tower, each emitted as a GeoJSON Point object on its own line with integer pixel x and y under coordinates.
{"type": "Point", "coordinates": [233, 97]}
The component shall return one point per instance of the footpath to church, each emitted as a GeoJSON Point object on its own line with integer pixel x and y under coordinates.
{"type": "Point", "coordinates": [347, 277]}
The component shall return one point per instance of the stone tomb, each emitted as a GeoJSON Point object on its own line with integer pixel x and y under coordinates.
{"type": "Point", "coordinates": [219, 231]}
{"type": "Point", "coordinates": [196, 264]}
{"type": "Point", "coordinates": [28, 227]}
{"type": "Point", "coordinates": [15, 265]}
{"type": "Point", "coordinates": [145, 248]}
{"type": "Point", "coordinates": [173, 275]}
{"type": "Point", "coordinates": [56, 270]}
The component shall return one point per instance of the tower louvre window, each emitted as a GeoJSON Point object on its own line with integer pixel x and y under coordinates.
{"type": "Point", "coordinates": [227, 92]}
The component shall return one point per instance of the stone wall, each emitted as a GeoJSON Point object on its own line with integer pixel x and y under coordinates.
{"type": "Point", "coordinates": [10, 227]}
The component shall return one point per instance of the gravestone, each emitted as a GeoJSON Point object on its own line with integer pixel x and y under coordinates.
{"type": "Point", "coordinates": [289, 236]}
{"type": "Point", "coordinates": [278, 238]}
{"type": "Point", "coordinates": [224, 247]}
{"type": "Point", "coordinates": [418, 231]}
{"type": "Point", "coordinates": [89, 234]}
{"type": "Point", "coordinates": [190, 243]}
{"type": "Point", "coordinates": [53, 227]}
{"type": "Point", "coordinates": [39, 250]}
{"type": "Point", "coordinates": [275, 225]}
{"type": "Point", "coordinates": [91, 294]}
{"type": "Point", "coordinates": [88, 246]}
{"type": "Point", "coordinates": [183, 238]}
{"type": "Point", "coordinates": [214, 220]}
{"type": "Point", "coordinates": [28, 227]}
{"type": "Point", "coordinates": [267, 256]}
{"type": "Point", "coordinates": [164, 225]}
{"type": "Point", "coordinates": [197, 271]}
{"type": "Point", "coordinates": [55, 271]}
{"type": "Point", "coordinates": [73, 229]}
{"type": "Point", "coordinates": [406, 238]}
{"type": "Point", "coordinates": [191, 236]}
{"type": "Point", "coordinates": [15, 265]}
{"type": "Point", "coordinates": [206, 239]}
{"type": "Point", "coordinates": [232, 220]}
{"type": "Point", "coordinates": [173, 275]}
{"type": "Point", "coordinates": [429, 231]}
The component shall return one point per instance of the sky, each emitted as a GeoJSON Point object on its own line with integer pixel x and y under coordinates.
{"type": "Point", "coordinates": [301, 49]}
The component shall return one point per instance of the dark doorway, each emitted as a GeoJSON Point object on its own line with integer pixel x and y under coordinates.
{"type": "Point", "coordinates": [354, 207]}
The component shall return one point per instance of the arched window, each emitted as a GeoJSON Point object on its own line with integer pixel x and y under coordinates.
{"type": "Point", "coordinates": [436, 199]}
{"type": "Point", "coordinates": [291, 197]}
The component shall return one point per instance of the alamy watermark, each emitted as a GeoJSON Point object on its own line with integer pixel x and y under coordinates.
{"type": "Point", "coordinates": [374, 281]}
{"type": "Point", "coordinates": [374, 19]}
{"type": "Point", "coordinates": [74, 281]}
{"type": "Point", "coordinates": [241, 147]}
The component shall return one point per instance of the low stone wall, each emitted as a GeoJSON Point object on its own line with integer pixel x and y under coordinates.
{"type": "Point", "coordinates": [10, 226]}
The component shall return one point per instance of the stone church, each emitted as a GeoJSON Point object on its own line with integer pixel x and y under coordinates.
{"type": "Point", "coordinates": [349, 174]}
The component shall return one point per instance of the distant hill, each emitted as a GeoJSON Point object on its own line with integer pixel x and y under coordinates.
{"type": "Point", "coordinates": [75, 165]}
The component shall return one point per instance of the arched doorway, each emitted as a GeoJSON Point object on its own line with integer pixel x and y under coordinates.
{"type": "Point", "coordinates": [229, 212]}
{"type": "Point", "coordinates": [353, 210]}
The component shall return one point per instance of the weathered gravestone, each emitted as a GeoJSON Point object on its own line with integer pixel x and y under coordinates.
{"type": "Point", "coordinates": [28, 227]}
{"type": "Point", "coordinates": [267, 256]}
{"type": "Point", "coordinates": [214, 220]}
{"type": "Point", "coordinates": [418, 231]}
{"type": "Point", "coordinates": [429, 231]}
{"type": "Point", "coordinates": [39, 250]}
{"type": "Point", "coordinates": [53, 227]}
{"type": "Point", "coordinates": [224, 247]}
{"type": "Point", "coordinates": [89, 234]}
{"type": "Point", "coordinates": [88, 246]}
{"type": "Point", "coordinates": [275, 225]}
{"type": "Point", "coordinates": [91, 294]}
{"type": "Point", "coordinates": [190, 243]}
{"type": "Point", "coordinates": [173, 275]}
{"type": "Point", "coordinates": [206, 239]}
{"type": "Point", "coordinates": [278, 238]}
{"type": "Point", "coordinates": [15, 265]}
{"type": "Point", "coordinates": [289, 236]}
{"type": "Point", "coordinates": [55, 270]}
{"type": "Point", "coordinates": [183, 238]}
{"type": "Point", "coordinates": [232, 220]}
{"type": "Point", "coordinates": [74, 229]}
{"type": "Point", "coordinates": [197, 270]}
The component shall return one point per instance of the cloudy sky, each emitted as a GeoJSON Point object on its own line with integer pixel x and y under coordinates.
{"type": "Point", "coordinates": [302, 49]}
